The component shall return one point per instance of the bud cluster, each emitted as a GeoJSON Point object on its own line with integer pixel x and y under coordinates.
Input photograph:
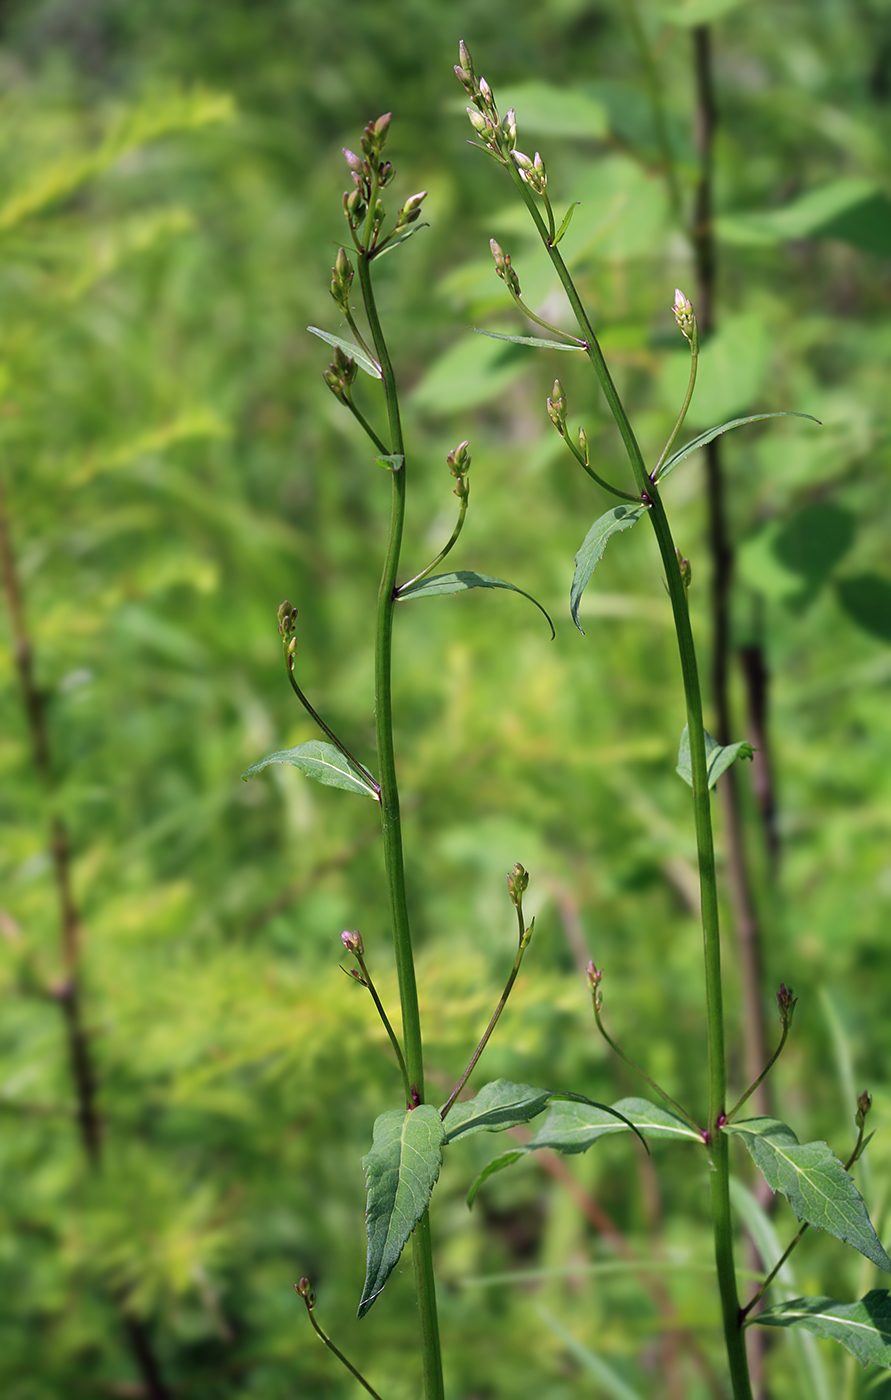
{"type": "Point", "coordinates": [304, 1288]}
{"type": "Point", "coordinates": [340, 374]}
{"type": "Point", "coordinates": [342, 279]}
{"type": "Point", "coordinates": [595, 977]}
{"type": "Point", "coordinates": [410, 210]}
{"type": "Point", "coordinates": [532, 171]}
{"type": "Point", "coordinates": [786, 1003]}
{"type": "Point", "coordinates": [517, 882]}
{"type": "Point", "coordinates": [370, 173]}
{"type": "Point", "coordinates": [459, 460]}
{"type": "Point", "coordinates": [352, 942]}
{"type": "Point", "coordinates": [498, 136]}
{"type": "Point", "coordinates": [503, 267]}
{"type": "Point", "coordinates": [683, 313]}
{"type": "Point", "coordinates": [287, 616]}
{"type": "Point", "coordinates": [557, 408]}
{"type": "Point", "coordinates": [864, 1104]}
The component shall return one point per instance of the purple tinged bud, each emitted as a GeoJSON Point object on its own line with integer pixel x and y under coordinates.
{"type": "Point", "coordinates": [477, 121]}
{"type": "Point", "coordinates": [786, 1003]}
{"type": "Point", "coordinates": [521, 160]}
{"type": "Point", "coordinates": [864, 1104]}
{"type": "Point", "coordinates": [595, 977]}
{"type": "Point", "coordinates": [557, 408]}
{"type": "Point", "coordinates": [352, 942]}
{"type": "Point", "coordinates": [286, 617]}
{"type": "Point", "coordinates": [352, 160]}
{"type": "Point", "coordinates": [464, 56]}
{"type": "Point", "coordinates": [381, 126]}
{"type": "Point", "coordinates": [485, 92]}
{"type": "Point", "coordinates": [683, 313]}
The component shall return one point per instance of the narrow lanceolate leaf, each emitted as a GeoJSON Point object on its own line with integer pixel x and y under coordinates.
{"type": "Point", "coordinates": [572, 1126]}
{"type": "Point", "coordinates": [718, 757]}
{"type": "Point", "coordinates": [349, 347]}
{"type": "Point", "coordinates": [565, 224]}
{"type": "Point", "coordinates": [400, 1173]}
{"type": "Point", "coordinates": [864, 1327]}
{"type": "Point", "coordinates": [814, 1183]}
{"type": "Point", "coordinates": [530, 340]}
{"type": "Point", "coordinates": [591, 552]}
{"type": "Point", "coordinates": [676, 457]}
{"type": "Point", "coordinates": [502, 1105]}
{"type": "Point", "coordinates": [459, 583]}
{"type": "Point", "coordinates": [323, 762]}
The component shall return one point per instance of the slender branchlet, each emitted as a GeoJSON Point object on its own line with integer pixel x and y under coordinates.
{"type": "Point", "coordinates": [305, 1291]}
{"type": "Point", "coordinates": [458, 461]}
{"type": "Point", "coordinates": [517, 882]}
{"type": "Point", "coordinates": [505, 270]}
{"type": "Point", "coordinates": [287, 616]}
{"type": "Point", "coordinates": [557, 415]}
{"type": "Point", "coordinates": [683, 314]}
{"type": "Point", "coordinates": [595, 977]}
{"type": "Point", "coordinates": [787, 1004]}
{"type": "Point", "coordinates": [352, 942]}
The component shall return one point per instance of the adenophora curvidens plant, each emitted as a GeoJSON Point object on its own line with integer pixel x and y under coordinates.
{"type": "Point", "coordinates": [814, 1181]}
{"type": "Point", "coordinates": [404, 1161]}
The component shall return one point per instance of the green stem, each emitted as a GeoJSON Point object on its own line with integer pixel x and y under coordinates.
{"type": "Point", "coordinates": [691, 385]}
{"type": "Point", "coordinates": [366, 427]}
{"type": "Point", "coordinates": [323, 1337]}
{"type": "Point", "coordinates": [722, 1224]}
{"type": "Point", "coordinates": [525, 936]}
{"type": "Point", "coordinates": [761, 1077]}
{"type": "Point", "coordinates": [672, 1103]}
{"type": "Point", "coordinates": [313, 714]}
{"type": "Point", "coordinates": [391, 829]}
{"type": "Point", "coordinates": [394, 1041]}
{"type": "Point", "coordinates": [452, 541]}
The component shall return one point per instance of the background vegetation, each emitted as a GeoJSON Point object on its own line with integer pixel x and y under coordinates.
{"type": "Point", "coordinates": [172, 467]}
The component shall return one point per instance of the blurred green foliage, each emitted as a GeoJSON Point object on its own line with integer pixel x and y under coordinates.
{"type": "Point", "coordinates": [173, 466]}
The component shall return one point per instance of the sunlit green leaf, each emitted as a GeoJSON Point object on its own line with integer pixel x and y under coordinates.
{"type": "Point", "coordinates": [814, 1183]}
{"type": "Point", "coordinates": [677, 457]}
{"type": "Point", "coordinates": [502, 1105]}
{"type": "Point", "coordinates": [400, 1172]}
{"type": "Point", "coordinates": [459, 583]}
{"type": "Point", "coordinates": [863, 1328]}
{"type": "Point", "coordinates": [349, 347]}
{"type": "Point", "coordinates": [323, 762]}
{"type": "Point", "coordinates": [591, 552]}
{"type": "Point", "coordinates": [564, 225]}
{"type": "Point", "coordinates": [718, 758]}
{"type": "Point", "coordinates": [528, 340]}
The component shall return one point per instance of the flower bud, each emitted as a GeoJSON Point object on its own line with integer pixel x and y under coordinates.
{"type": "Point", "coordinates": [686, 577]}
{"type": "Point", "coordinates": [786, 1003]}
{"type": "Point", "coordinates": [503, 267]}
{"type": "Point", "coordinates": [683, 313]}
{"type": "Point", "coordinates": [352, 942]}
{"type": "Point", "coordinates": [486, 94]}
{"type": "Point", "coordinates": [864, 1104]}
{"type": "Point", "coordinates": [385, 172]}
{"type": "Point", "coordinates": [557, 408]}
{"type": "Point", "coordinates": [305, 1290]}
{"type": "Point", "coordinates": [286, 618]}
{"type": "Point", "coordinates": [382, 125]}
{"type": "Point", "coordinates": [522, 161]}
{"type": "Point", "coordinates": [353, 161]}
{"type": "Point", "coordinates": [465, 58]}
{"type": "Point", "coordinates": [595, 977]}
{"type": "Point", "coordinates": [509, 127]}
{"type": "Point", "coordinates": [517, 882]}
{"type": "Point", "coordinates": [477, 121]}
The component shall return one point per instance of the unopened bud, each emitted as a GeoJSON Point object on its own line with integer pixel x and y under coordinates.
{"type": "Point", "coordinates": [517, 881]}
{"type": "Point", "coordinates": [509, 127]}
{"type": "Point", "coordinates": [352, 942]}
{"type": "Point", "coordinates": [286, 618]}
{"type": "Point", "coordinates": [595, 977]}
{"type": "Point", "coordinates": [465, 58]}
{"type": "Point", "coordinates": [686, 577]}
{"type": "Point", "coordinates": [683, 313]}
{"type": "Point", "coordinates": [583, 444]}
{"type": "Point", "coordinates": [478, 121]}
{"type": "Point", "coordinates": [382, 125]}
{"type": "Point", "coordinates": [486, 93]}
{"type": "Point", "coordinates": [385, 172]}
{"type": "Point", "coordinates": [521, 160]}
{"type": "Point", "coordinates": [305, 1290]}
{"type": "Point", "coordinates": [353, 161]}
{"type": "Point", "coordinates": [864, 1104]}
{"type": "Point", "coordinates": [557, 408]}
{"type": "Point", "coordinates": [786, 1003]}
{"type": "Point", "coordinates": [503, 267]}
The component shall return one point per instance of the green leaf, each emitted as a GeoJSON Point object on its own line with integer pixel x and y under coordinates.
{"type": "Point", "coordinates": [573, 1126]}
{"type": "Point", "coordinates": [848, 210]}
{"type": "Point", "coordinates": [400, 1172]}
{"type": "Point", "coordinates": [349, 347]}
{"type": "Point", "coordinates": [866, 599]}
{"type": "Point", "coordinates": [502, 1105]}
{"type": "Point", "coordinates": [528, 340]}
{"type": "Point", "coordinates": [565, 224]}
{"type": "Point", "coordinates": [814, 1182]}
{"type": "Point", "coordinates": [591, 552]}
{"type": "Point", "coordinates": [676, 457]}
{"type": "Point", "coordinates": [499, 1105]}
{"type": "Point", "coordinates": [323, 762]}
{"type": "Point", "coordinates": [458, 583]}
{"type": "Point", "coordinates": [864, 1328]}
{"type": "Point", "coordinates": [718, 758]}
{"type": "Point", "coordinates": [391, 464]}
{"type": "Point", "coordinates": [396, 239]}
